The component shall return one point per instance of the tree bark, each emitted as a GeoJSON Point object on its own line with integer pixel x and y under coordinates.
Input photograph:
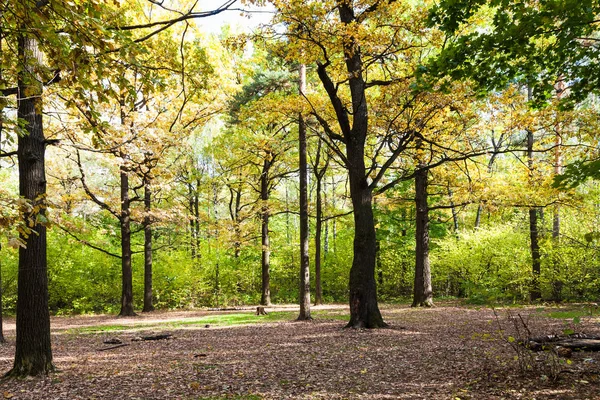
{"type": "Point", "coordinates": [453, 209]}
{"type": "Point", "coordinates": [364, 311]}
{"type": "Point", "coordinates": [304, 292]}
{"type": "Point", "coordinates": [193, 231]}
{"type": "Point", "coordinates": [126, 270]}
{"type": "Point", "coordinates": [423, 294]}
{"type": "Point", "coordinates": [33, 354]}
{"type": "Point", "coordinates": [535, 292]}
{"type": "Point", "coordinates": [2, 339]}
{"type": "Point", "coordinates": [318, 234]}
{"type": "Point", "coordinates": [265, 299]}
{"type": "Point", "coordinates": [148, 306]}
{"type": "Point", "coordinates": [557, 283]}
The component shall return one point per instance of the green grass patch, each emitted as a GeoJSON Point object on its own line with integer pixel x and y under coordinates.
{"type": "Point", "coordinates": [571, 313]}
{"type": "Point", "coordinates": [232, 319]}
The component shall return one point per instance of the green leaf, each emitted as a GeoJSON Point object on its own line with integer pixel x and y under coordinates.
{"type": "Point", "coordinates": [568, 332]}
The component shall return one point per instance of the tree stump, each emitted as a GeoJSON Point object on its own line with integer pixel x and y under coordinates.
{"type": "Point", "coordinates": [260, 311]}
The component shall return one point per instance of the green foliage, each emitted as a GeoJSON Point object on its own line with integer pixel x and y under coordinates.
{"type": "Point", "coordinates": [485, 265]}
{"type": "Point", "coordinates": [577, 173]}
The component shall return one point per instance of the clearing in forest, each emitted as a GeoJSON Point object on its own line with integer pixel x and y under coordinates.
{"type": "Point", "coordinates": [448, 352]}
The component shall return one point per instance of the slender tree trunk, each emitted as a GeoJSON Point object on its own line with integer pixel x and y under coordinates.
{"type": "Point", "coordinates": [557, 283]}
{"type": "Point", "coordinates": [237, 222]}
{"type": "Point", "coordinates": [148, 306]}
{"type": "Point", "coordinates": [304, 293]}
{"type": "Point", "coordinates": [193, 232]}
{"type": "Point", "coordinates": [318, 234]}
{"type": "Point", "coordinates": [33, 354]}
{"type": "Point", "coordinates": [2, 339]}
{"type": "Point", "coordinates": [266, 250]}
{"type": "Point", "coordinates": [126, 269]}
{"type": "Point", "coordinates": [197, 217]}
{"type": "Point", "coordinates": [535, 292]}
{"type": "Point", "coordinates": [334, 221]}
{"type": "Point", "coordinates": [454, 212]}
{"type": "Point", "coordinates": [423, 294]}
{"type": "Point", "coordinates": [326, 229]}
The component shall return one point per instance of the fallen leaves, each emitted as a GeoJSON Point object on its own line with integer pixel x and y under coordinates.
{"type": "Point", "coordinates": [442, 353]}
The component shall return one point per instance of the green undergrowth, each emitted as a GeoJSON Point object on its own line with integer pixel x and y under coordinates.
{"type": "Point", "coordinates": [220, 320]}
{"type": "Point", "coordinates": [572, 313]}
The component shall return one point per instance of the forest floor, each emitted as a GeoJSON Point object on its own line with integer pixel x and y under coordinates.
{"type": "Point", "coordinates": [447, 352]}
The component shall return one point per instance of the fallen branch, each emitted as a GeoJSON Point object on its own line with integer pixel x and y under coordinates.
{"type": "Point", "coordinates": [113, 347]}
{"type": "Point", "coordinates": [575, 341]}
{"type": "Point", "coordinates": [152, 337]}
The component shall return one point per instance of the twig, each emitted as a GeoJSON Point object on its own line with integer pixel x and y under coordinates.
{"type": "Point", "coordinates": [113, 347]}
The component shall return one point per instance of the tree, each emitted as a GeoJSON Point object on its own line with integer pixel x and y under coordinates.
{"type": "Point", "coordinates": [261, 117]}
{"type": "Point", "coordinates": [304, 292]}
{"type": "Point", "coordinates": [541, 45]}
{"type": "Point", "coordinates": [33, 355]}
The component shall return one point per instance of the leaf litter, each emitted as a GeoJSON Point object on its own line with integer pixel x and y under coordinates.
{"type": "Point", "coordinates": [446, 352]}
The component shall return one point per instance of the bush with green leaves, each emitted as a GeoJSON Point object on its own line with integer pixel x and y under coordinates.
{"type": "Point", "coordinates": [483, 265]}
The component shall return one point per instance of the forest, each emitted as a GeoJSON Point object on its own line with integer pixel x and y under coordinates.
{"type": "Point", "coordinates": [367, 153]}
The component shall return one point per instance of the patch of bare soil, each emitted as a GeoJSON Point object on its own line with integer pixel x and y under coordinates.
{"type": "Point", "coordinates": [440, 353]}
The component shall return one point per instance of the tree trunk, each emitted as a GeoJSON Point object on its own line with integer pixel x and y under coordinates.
{"type": "Point", "coordinates": [453, 209]}
{"type": "Point", "coordinates": [422, 295]}
{"type": "Point", "coordinates": [318, 230]}
{"type": "Point", "coordinates": [304, 293]}
{"type": "Point", "coordinates": [364, 311]}
{"type": "Point", "coordinates": [148, 306]}
{"type": "Point", "coordinates": [557, 283]}
{"type": "Point", "coordinates": [535, 292]}
{"type": "Point", "coordinates": [265, 299]}
{"type": "Point", "coordinates": [193, 231]}
{"type": "Point", "coordinates": [126, 270]}
{"type": "Point", "coordinates": [2, 339]}
{"type": "Point", "coordinates": [33, 354]}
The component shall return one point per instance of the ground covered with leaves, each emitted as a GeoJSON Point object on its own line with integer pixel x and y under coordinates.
{"type": "Point", "coordinates": [448, 352]}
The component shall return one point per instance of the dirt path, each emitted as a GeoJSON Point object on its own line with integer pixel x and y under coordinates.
{"type": "Point", "coordinates": [441, 353]}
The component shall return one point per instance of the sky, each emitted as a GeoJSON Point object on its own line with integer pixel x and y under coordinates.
{"type": "Point", "coordinates": [235, 18]}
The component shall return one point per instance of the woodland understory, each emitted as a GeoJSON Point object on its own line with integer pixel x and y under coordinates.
{"type": "Point", "coordinates": [445, 352]}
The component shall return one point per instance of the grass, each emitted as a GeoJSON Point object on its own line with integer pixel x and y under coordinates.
{"type": "Point", "coordinates": [571, 312]}
{"type": "Point", "coordinates": [212, 320]}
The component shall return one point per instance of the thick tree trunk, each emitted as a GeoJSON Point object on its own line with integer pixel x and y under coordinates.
{"type": "Point", "coordinates": [126, 270]}
{"type": "Point", "coordinates": [33, 355]}
{"type": "Point", "coordinates": [423, 294]}
{"type": "Point", "coordinates": [364, 311]}
{"type": "Point", "coordinates": [148, 306]}
{"type": "Point", "coordinates": [304, 293]}
{"type": "Point", "coordinates": [265, 298]}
